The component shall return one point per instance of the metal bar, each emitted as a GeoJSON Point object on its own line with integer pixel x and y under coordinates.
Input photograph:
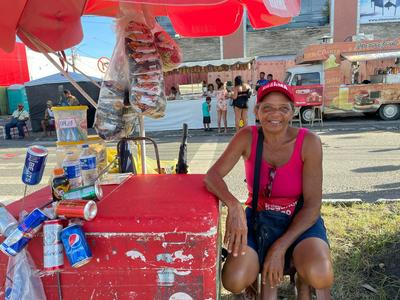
{"type": "Point", "coordinates": [142, 133]}
{"type": "Point", "coordinates": [23, 199]}
{"type": "Point", "coordinates": [60, 297]}
{"type": "Point", "coordinates": [73, 82]}
{"type": "Point", "coordinates": [144, 139]}
{"type": "Point", "coordinates": [48, 49]}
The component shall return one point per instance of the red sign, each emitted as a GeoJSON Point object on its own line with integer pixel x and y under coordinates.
{"type": "Point", "coordinates": [103, 63]}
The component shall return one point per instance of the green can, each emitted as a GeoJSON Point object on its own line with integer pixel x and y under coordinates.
{"type": "Point", "coordinates": [90, 192]}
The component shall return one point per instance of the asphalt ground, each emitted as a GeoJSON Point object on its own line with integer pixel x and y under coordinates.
{"type": "Point", "coordinates": [361, 159]}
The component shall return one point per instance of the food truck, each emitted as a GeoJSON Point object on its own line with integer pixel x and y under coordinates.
{"type": "Point", "coordinates": [359, 76]}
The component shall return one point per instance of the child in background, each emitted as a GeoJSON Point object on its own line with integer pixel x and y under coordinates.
{"type": "Point", "coordinates": [206, 107]}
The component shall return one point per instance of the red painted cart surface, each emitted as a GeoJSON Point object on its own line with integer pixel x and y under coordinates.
{"type": "Point", "coordinates": [154, 237]}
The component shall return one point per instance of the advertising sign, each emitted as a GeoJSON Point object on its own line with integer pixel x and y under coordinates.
{"type": "Point", "coordinates": [378, 11]}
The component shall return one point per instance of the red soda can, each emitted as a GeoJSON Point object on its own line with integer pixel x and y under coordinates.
{"type": "Point", "coordinates": [82, 209]}
{"type": "Point", "coordinates": [53, 256]}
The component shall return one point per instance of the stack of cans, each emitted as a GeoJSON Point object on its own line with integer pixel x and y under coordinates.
{"type": "Point", "coordinates": [20, 236]}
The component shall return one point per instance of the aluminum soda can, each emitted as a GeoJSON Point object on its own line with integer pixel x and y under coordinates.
{"type": "Point", "coordinates": [35, 162]}
{"type": "Point", "coordinates": [91, 192]}
{"type": "Point", "coordinates": [7, 221]}
{"type": "Point", "coordinates": [84, 209]}
{"type": "Point", "coordinates": [25, 231]}
{"type": "Point", "coordinates": [76, 247]}
{"type": "Point", "coordinates": [53, 254]}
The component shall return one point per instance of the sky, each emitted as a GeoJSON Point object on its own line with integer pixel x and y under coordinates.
{"type": "Point", "coordinates": [98, 37]}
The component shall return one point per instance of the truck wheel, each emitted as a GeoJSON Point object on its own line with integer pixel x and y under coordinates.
{"type": "Point", "coordinates": [306, 114]}
{"type": "Point", "coordinates": [389, 112]}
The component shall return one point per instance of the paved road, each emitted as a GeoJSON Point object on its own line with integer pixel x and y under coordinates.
{"type": "Point", "coordinates": [361, 160]}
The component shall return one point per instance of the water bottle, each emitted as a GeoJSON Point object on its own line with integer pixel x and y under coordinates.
{"type": "Point", "coordinates": [88, 166]}
{"type": "Point", "coordinates": [72, 168]}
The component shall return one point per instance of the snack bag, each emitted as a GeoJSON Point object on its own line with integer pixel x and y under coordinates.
{"type": "Point", "coordinates": [168, 49]}
{"type": "Point", "coordinates": [114, 117]}
{"type": "Point", "coordinates": [145, 71]}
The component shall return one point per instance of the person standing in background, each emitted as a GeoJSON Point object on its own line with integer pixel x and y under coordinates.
{"type": "Point", "coordinates": [71, 99]}
{"type": "Point", "coordinates": [206, 108]}
{"type": "Point", "coordinates": [241, 94]}
{"type": "Point", "coordinates": [262, 81]}
{"type": "Point", "coordinates": [222, 105]}
{"type": "Point", "coordinates": [48, 120]}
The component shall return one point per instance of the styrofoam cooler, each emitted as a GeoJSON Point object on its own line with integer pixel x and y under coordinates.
{"type": "Point", "coordinates": [155, 237]}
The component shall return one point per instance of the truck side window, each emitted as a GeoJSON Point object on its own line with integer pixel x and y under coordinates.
{"type": "Point", "coordinates": [306, 79]}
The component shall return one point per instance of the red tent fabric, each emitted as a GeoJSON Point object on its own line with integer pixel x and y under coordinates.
{"type": "Point", "coordinates": [57, 23]}
{"type": "Point", "coordinates": [13, 66]}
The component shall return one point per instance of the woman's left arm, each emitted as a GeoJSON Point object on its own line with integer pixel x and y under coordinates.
{"type": "Point", "coordinates": [308, 214]}
{"type": "Point", "coordinates": [312, 190]}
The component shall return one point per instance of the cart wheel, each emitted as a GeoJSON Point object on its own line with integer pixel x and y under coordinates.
{"type": "Point", "coordinates": [389, 112]}
{"type": "Point", "coordinates": [306, 114]}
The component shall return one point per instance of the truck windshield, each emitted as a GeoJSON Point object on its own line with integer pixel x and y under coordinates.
{"type": "Point", "coordinates": [287, 78]}
{"type": "Point", "coordinates": [306, 79]}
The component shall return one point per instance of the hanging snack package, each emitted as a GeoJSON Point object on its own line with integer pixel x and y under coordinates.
{"type": "Point", "coordinates": [114, 118]}
{"type": "Point", "coordinates": [168, 49]}
{"type": "Point", "coordinates": [144, 67]}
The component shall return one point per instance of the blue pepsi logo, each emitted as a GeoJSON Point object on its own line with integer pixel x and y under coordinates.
{"type": "Point", "coordinates": [74, 240]}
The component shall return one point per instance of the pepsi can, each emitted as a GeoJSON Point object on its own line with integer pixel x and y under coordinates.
{"type": "Point", "coordinates": [25, 231]}
{"type": "Point", "coordinates": [53, 254]}
{"type": "Point", "coordinates": [76, 247]}
{"type": "Point", "coordinates": [35, 162]}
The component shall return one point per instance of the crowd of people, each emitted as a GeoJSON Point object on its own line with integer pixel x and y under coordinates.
{"type": "Point", "coordinates": [226, 95]}
{"type": "Point", "coordinates": [20, 116]}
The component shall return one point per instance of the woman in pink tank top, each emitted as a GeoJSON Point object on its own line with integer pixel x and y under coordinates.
{"type": "Point", "coordinates": [290, 185]}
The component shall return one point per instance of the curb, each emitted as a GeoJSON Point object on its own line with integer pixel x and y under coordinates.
{"type": "Point", "coordinates": [350, 202]}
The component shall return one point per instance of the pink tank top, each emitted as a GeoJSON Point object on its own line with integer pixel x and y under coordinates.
{"type": "Point", "coordinates": [287, 185]}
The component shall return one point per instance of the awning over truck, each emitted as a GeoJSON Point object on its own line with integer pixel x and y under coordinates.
{"type": "Point", "coordinates": [360, 56]}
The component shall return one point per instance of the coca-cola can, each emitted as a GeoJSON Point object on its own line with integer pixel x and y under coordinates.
{"type": "Point", "coordinates": [82, 209]}
{"type": "Point", "coordinates": [53, 254]}
{"type": "Point", "coordinates": [7, 222]}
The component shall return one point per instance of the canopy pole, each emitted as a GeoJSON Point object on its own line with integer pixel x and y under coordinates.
{"type": "Point", "coordinates": [73, 82]}
{"type": "Point", "coordinates": [142, 133]}
{"type": "Point", "coordinates": [48, 49]}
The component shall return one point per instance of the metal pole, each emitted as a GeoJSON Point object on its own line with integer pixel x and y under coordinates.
{"type": "Point", "coordinates": [142, 145]}
{"type": "Point", "coordinates": [60, 297]}
{"type": "Point", "coordinates": [73, 82]}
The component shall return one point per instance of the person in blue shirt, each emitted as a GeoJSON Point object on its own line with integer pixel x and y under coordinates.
{"type": "Point", "coordinates": [262, 81]}
{"type": "Point", "coordinates": [206, 107]}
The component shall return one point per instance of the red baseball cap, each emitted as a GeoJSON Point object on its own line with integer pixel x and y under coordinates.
{"type": "Point", "coordinates": [274, 86]}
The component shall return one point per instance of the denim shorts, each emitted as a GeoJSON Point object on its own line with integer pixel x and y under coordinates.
{"type": "Point", "coordinates": [317, 230]}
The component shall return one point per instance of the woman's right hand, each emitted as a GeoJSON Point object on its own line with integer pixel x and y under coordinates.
{"type": "Point", "coordinates": [236, 230]}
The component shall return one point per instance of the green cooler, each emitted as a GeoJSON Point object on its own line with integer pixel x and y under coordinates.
{"type": "Point", "coordinates": [3, 100]}
{"type": "Point", "coordinates": [17, 94]}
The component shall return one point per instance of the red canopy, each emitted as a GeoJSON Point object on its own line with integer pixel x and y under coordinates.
{"type": "Point", "coordinates": [57, 23]}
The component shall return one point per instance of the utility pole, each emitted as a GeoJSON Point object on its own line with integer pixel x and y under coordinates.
{"type": "Point", "coordinates": [73, 54]}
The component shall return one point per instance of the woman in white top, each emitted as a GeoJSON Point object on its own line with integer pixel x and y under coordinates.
{"type": "Point", "coordinates": [222, 104]}
{"type": "Point", "coordinates": [48, 121]}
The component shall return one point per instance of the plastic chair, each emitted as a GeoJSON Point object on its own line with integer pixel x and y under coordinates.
{"type": "Point", "coordinates": [296, 116]}
{"type": "Point", "coordinates": [379, 3]}
{"type": "Point", "coordinates": [317, 116]}
{"type": "Point", "coordinates": [395, 6]}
